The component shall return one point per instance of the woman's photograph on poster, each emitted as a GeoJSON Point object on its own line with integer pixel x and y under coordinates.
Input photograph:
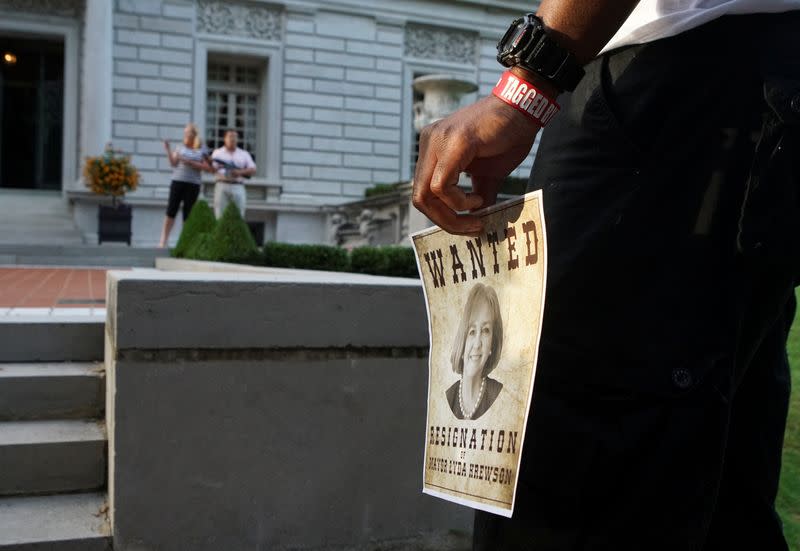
{"type": "Point", "coordinates": [476, 352]}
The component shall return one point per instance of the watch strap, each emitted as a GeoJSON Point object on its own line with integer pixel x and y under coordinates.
{"type": "Point", "coordinates": [527, 44]}
{"type": "Point", "coordinates": [552, 62]}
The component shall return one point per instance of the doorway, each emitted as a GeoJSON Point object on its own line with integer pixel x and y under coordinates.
{"type": "Point", "coordinates": [31, 112]}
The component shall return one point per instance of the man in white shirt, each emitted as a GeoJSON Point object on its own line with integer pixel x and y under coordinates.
{"type": "Point", "coordinates": [670, 189]}
{"type": "Point", "coordinates": [233, 165]}
{"type": "Point", "coordinates": [655, 19]}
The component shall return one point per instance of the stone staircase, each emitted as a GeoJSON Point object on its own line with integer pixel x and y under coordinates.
{"type": "Point", "coordinates": [37, 229]}
{"type": "Point", "coordinates": [53, 446]}
{"type": "Point", "coordinates": [106, 256]}
{"type": "Point", "coordinates": [32, 217]}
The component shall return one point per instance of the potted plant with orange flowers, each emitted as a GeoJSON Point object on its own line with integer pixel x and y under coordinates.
{"type": "Point", "coordinates": [113, 174]}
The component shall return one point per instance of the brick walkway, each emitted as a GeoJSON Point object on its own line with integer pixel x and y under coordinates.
{"type": "Point", "coordinates": [48, 290]}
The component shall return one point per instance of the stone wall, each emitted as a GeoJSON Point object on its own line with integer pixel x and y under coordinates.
{"type": "Point", "coordinates": [152, 82]}
{"type": "Point", "coordinates": [282, 411]}
{"type": "Point", "coordinates": [346, 135]}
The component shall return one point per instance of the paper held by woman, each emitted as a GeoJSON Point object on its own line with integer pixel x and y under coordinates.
{"type": "Point", "coordinates": [485, 299]}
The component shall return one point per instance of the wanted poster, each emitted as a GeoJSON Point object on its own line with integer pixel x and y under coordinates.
{"type": "Point", "coordinates": [485, 299]}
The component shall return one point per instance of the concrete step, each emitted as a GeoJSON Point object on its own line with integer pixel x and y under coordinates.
{"type": "Point", "coordinates": [105, 250]}
{"type": "Point", "coordinates": [37, 391]}
{"type": "Point", "coordinates": [77, 261]}
{"type": "Point", "coordinates": [38, 457]}
{"type": "Point", "coordinates": [109, 249]}
{"type": "Point", "coordinates": [40, 236]}
{"type": "Point", "coordinates": [36, 217]}
{"type": "Point", "coordinates": [75, 522]}
{"type": "Point", "coordinates": [107, 255]}
{"type": "Point", "coordinates": [51, 339]}
{"type": "Point", "coordinates": [41, 226]}
{"type": "Point", "coordinates": [35, 239]}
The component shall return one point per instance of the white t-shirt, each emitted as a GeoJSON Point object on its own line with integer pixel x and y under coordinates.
{"type": "Point", "coordinates": [654, 19]}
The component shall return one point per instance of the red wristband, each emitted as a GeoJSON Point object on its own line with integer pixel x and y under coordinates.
{"type": "Point", "coordinates": [525, 98]}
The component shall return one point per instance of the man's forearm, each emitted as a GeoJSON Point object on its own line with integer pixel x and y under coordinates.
{"type": "Point", "coordinates": [243, 172]}
{"type": "Point", "coordinates": [581, 26]}
{"type": "Point", "coordinates": [489, 138]}
{"type": "Point", "coordinates": [584, 26]}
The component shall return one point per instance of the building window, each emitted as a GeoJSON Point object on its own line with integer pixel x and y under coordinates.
{"type": "Point", "coordinates": [232, 101]}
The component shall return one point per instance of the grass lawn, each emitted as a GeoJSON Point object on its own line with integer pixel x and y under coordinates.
{"type": "Point", "coordinates": [789, 496]}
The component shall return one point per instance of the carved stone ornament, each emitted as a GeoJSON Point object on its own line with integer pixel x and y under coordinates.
{"type": "Point", "coordinates": [64, 8]}
{"type": "Point", "coordinates": [441, 44]}
{"type": "Point", "coordinates": [239, 19]}
{"type": "Point", "coordinates": [441, 96]}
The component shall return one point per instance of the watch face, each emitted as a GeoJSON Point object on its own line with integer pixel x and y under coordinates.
{"type": "Point", "coordinates": [526, 43]}
{"type": "Point", "coordinates": [517, 38]}
{"type": "Point", "coordinates": [514, 42]}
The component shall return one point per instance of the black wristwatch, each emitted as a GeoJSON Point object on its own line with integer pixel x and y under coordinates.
{"type": "Point", "coordinates": [527, 44]}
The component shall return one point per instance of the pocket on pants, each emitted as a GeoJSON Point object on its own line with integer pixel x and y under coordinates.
{"type": "Point", "coordinates": [769, 224]}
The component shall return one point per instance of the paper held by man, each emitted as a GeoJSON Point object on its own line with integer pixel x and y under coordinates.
{"type": "Point", "coordinates": [485, 299]}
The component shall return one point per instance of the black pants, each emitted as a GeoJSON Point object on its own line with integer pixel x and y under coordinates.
{"type": "Point", "coordinates": [671, 200]}
{"type": "Point", "coordinates": [182, 192]}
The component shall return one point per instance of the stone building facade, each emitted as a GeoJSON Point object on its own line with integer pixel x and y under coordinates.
{"type": "Point", "coordinates": [319, 90]}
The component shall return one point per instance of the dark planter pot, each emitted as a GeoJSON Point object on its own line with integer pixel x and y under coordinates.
{"type": "Point", "coordinates": [114, 223]}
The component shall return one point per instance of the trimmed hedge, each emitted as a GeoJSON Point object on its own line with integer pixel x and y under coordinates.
{"type": "Point", "coordinates": [308, 257]}
{"type": "Point", "coordinates": [381, 189]}
{"type": "Point", "coordinates": [386, 261]}
{"type": "Point", "coordinates": [198, 250]}
{"type": "Point", "coordinates": [230, 241]}
{"type": "Point", "coordinates": [200, 220]}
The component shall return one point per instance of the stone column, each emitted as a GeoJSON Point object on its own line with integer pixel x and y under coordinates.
{"type": "Point", "coordinates": [96, 78]}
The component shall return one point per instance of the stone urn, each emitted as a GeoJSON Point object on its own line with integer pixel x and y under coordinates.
{"type": "Point", "coordinates": [441, 96]}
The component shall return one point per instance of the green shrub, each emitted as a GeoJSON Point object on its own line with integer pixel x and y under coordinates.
{"type": "Point", "coordinates": [201, 220]}
{"type": "Point", "coordinates": [230, 241]}
{"type": "Point", "coordinates": [198, 249]}
{"type": "Point", "coordinates": [381, 189]}
{"type": "Point", "coordinates": [387, 261]}
{"type": "Point", "coordinates": [307, 257]}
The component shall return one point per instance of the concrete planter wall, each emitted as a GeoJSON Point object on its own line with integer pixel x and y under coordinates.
{"type": "Point", "coordinates": [252, 411]}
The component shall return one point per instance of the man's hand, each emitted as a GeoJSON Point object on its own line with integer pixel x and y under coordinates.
{"type": "Point", "coordinates": [488, 139]}
{"type": "Point", "coordinates": [242, 172]}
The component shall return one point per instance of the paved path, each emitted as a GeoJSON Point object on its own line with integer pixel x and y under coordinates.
{"type": "Point", "coordinates": [52, 291]}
